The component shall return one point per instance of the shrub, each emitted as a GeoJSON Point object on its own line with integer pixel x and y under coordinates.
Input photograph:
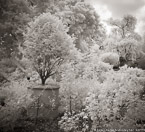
{"type": "Point", "coordinates": [116, 103]}
{"type": "Point", "coordinates": [17, 99]}
{"type": "Point", "coordinates": [111, 58]}
{"type": "Point", "coordinates": [112, 103]}
{"type": "Point", "coordinates": [76, 122]}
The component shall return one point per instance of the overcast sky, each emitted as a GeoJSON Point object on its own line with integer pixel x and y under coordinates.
{"type": "Point", "coordinates": [117, 8]}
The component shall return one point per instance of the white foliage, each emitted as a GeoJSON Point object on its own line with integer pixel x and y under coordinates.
{"type": "Point", "coordinates": [110, 57]}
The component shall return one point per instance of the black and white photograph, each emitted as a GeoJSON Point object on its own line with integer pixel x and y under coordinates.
{"type": "Point", "coordinates": [72, 65]}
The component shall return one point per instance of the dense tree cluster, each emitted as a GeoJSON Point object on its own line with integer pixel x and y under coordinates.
{"type": "Point", "coordinates": [13, 18]}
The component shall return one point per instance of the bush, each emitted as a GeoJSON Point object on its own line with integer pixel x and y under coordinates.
{"type": "Point", "coordinates": [17, 100]}
{"type": "Point", "coordinates": [111, 99]}
{"type": "Point", "coordinates": [116, 103]}
{"type": "Point", "coordinates": [76, 122]}
{"type": "Point", "coordinates": [111, 58]}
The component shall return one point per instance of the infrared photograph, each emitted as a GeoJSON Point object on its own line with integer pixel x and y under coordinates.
{"type": "Point", "coordinates": [72, 65]}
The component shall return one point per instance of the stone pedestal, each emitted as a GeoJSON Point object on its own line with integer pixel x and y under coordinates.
{"type": "Point", "coordinates": [46, 101]}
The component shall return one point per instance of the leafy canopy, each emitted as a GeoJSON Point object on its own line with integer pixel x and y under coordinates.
{"type": "Point", "coordinates": [47, 44]}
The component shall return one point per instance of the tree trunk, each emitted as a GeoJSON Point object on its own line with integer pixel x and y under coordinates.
{"type": "Point", "coordinates": [43, 81]}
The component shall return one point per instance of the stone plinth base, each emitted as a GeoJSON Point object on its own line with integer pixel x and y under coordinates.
{"type": "Point", "coordinates": [46, 101]}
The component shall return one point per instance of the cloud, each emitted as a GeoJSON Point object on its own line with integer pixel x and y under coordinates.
{"type": "Point", "coordinates": [103, 12]}
{"type": "Point", "coordinates": [120, 7]}
{"type": "Point", "coordinates": [140, 27]}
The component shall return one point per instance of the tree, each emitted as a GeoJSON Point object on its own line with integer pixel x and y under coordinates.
{"type": "Point", "coordinates": [124, 27]}
{"type": "Point", "coordinates": [14, 15]}
{"type": "Point", "coordinates": [47, 44]}
{"type": "Point", "coordinates": [128, 49]}
{"type": "Point", "coordinates": [127, 42]}
{"type": "Point", "coordinates": [83, 23]}
{"type": "Point", "coordinates": [41, 6]}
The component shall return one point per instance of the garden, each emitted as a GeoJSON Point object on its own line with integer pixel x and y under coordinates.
{"type": "Point", "coordinates": [61, 72]}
